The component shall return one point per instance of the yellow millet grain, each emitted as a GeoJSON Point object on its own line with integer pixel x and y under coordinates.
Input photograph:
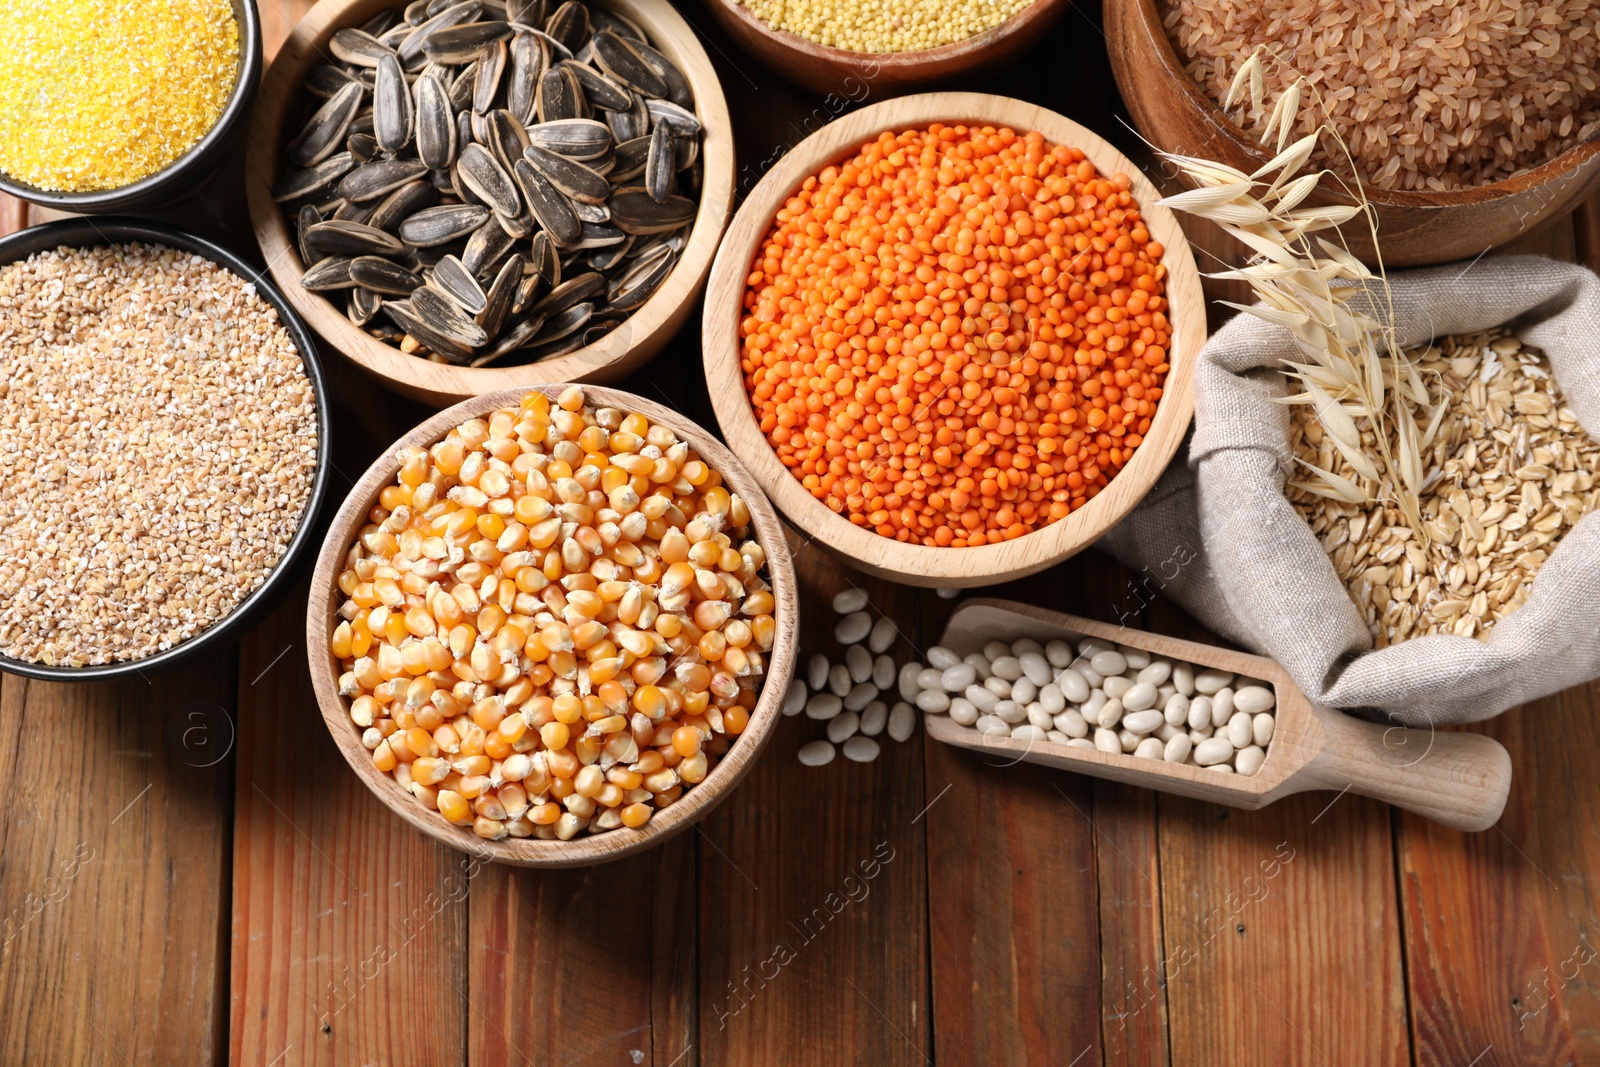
{"type": "Point", "coordinates": [885, 25]}
{"type": "Point", "coordinates": [97, 94]}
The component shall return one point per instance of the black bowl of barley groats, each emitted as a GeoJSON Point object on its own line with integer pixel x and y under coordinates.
{"type": "Point", "coordinates": [164, 447]}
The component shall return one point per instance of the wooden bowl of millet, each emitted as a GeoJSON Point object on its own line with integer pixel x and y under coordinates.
{"type": "Point", "coordinates": [845, 72]}
{"type": "Point", "coordinates": [610, 357]}
{"type": "Point", "coordinates": [914, 562]}
{"type": "Point", "coordinates": [322, 617]}
{"type": "Point", "coordinates": [1415, 228]}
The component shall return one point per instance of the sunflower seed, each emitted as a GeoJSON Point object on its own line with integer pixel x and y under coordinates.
{"type": "Point", "coordinates": [380, 23]}
{"type": "Point", "coordinates": [599, 235]}
{"type": "Point", "coordinates": [327, 79]}
{"type": "Point", "coordinates": [501, 295]}
{"type": "Point", "coordinates": [361, 305]}
{"type": "Point", "coordinates": [456, 282]}
{"type": "Point", "coordinates": [585, 288]}
{"type": "Point", "coordinates": [331, 273]}
{"type": "Point", "coordinates": [507, 138]}
{"type": "Point", "coordinates": [527, 12]}
{"type": "Point", "coordinates": [682, 121]}
{"type": "Point", "coordinates": [562, 323]}
{"type": "Point", "coordinates": [451, 16]}
{"type": "Point", "coordinates": [592, 213]}
{"type": "Point", "coordinates": [436, 126]}
{"type": "Point", "coordinates": [312, 181]}
{"type": "Point", "coordinates": [630, 124]}
{"type": "Point", "coordinates": [600, 91]}
{"type": "Point", "coordinates": [436, 6]}
{"type": "Point", "coordinates": [633, 210]}
{"type": "Point", "coordinates": [631, 158]}
{"type": "Point", "coordinates": [358, 48]}
{"type": "Point", "coordinates": [602, 19]}
{"type": "Point", "coordinates": [382, 276]}
{"type": "Point", "coordinates": [327, 127]}
{"type": "Point", "coordinates": [488, 179]}
{"type": "Point", "coordinates": [350, 238]}
{"type": "Point", "coordinates": [416, 12]}
{"type": "Point", "coordinates": [544, 260]}
{"type": "Point", "coordinates": [435, 226]}
{"type": "Point", "coordinates": [519, 335]}
{"type": "Point", "coordinates": [362, 123]}
{"type": "Point", "coordinates": [441, 315]}
{"type": "Point", "coordinates": [550, 208]}
{"type": "Point", "coordinates": [570, 177]}
{"type": "Point", "coordinates": [391, 105]}
{"type": "Point", "coordinates": [641, 279]}
{"type": "Point", "coordinates": [363, 146]}
{"type": "Point", "coordinates": [405, 315]}
{"type": "Point", "coordinates": [606, 259]}
{"type": "Point", "coordinates": [569, 25]}
{"type": "Point", "coordinates": [530, 58]}
{"type": "Point", "coordinates": [660, 163]}
{"type": "Point", "coordinates": [485, 247]}
{"type": "Point", "coordinates": [580, 139]}
{"type": "Point", "coordinates": [520, 225]}
{"type": "Point", "coordinates": [350, 211]}
{"type": "Point", "coordinates": [464, 43]}
{"type": "Point", "coordinates": [560, 96]}
{"type": "Point", "coordinates": [379, 178]}
{"type": "Point", "coordinates": [622, 63]}
{"type": "Point", "coordinates": [307, 217]}
{"type": "Point", "coordinates": [678, 90]}
{"type": "Point", "coordinates": [399, 205]}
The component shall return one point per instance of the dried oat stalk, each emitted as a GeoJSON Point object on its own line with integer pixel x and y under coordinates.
{"type": "Point", "coordinates": [1362, 386]}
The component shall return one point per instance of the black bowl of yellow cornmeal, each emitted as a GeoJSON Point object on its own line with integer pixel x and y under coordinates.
{"type": "Point", "coordinates": [122, 106]}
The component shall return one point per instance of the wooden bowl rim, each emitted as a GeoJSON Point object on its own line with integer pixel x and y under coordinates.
{"type": "Point", "coordinates": [281, 90]}
{"type": "Point", "coordinates": [922, 564]}
{"type": "Point", "coordinates": [586, 848]}
{"type": "Point", "coordinates": [1516, 185]}
{"type": "Point", "coordinates": [972, 48]}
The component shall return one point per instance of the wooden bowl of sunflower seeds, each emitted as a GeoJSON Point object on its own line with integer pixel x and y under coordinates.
{"type": "Point", "coordinates": [462, 197]}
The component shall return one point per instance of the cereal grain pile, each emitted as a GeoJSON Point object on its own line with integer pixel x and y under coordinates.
{"type": "Point", "coordinates": [158, 443]}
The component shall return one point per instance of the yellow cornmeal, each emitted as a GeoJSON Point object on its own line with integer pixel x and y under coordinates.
{"type": "Point", "coordinates": [97, 94]}
{"type": "Point", "coordinates": [885, 25]}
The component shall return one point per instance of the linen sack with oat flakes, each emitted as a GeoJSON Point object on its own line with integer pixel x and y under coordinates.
{"type": "Point", "coordinates": [1221, 537]}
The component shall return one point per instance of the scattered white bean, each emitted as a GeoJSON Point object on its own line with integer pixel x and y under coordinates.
{"type": "Point", "coordinates": [1073, 686]}
{"type": "Point", "coordinates": [861, 695]}
{"type": "Point", "coordinates": [1211, 679]}
{"type": "Point", "coordinates": [1150, 748]}
{"type": "Point", "coordinates": [841, 727]}
{"type": "Point", "coordinates": [1106, 741]}
{"type": "Point", "coordinates": [1253, 699]}
{"type": "Point", "coordinates": [956, 679]}
{"type": "Point", "coordinates": [816, 753]}
{"type": "Point", "coordinates": [849, 601]}
{"type": "Point", "coordinates": [823, 706]}
{"type": "Point", "coordinates": [839, 682]}
{"type": "Point", "coordinates": [882, 635]}
{"type": "Point", "coordinates": [1249, 760]}
{"type": "Point", "coordinates": [1261, 729]}
{"type": "Point", "coordinates": [1143, 722]}
{"type": "Point", "coordinates": [909, 673]}
{"type": "Point", "coordinates": [861, 749]}
{"type": "Point", "coordinates": [1059, 653]}
{"type": "Point", "coordinates": [941, 657]}
{"type": "Point", "coordinates": [875, 714]}
{"type": "Point", "coordinates": [883, 672]}
{"type": "Point", "coordinates": [962, 711]}
{"type": "Point", "coordinates": [817, 671]}
{"type": "Point", "coordinates": [930, 678]}
{"type": "Point", "coordinates": [1213, 750]}
{"type": "Point", "coordinates": [852, 628]}
{"type": "Point", "coordinates": [901, 722]}
{"type": "Point", "coordinates": [1108, 663]}
{"type": "Point", "coordinates": [858, 661]}
{"type": "Point", "coordinates": [933, 700]}
{"type": "Point", "coordinates": [794, 701]}
{"type": "Point", "coordinates": [1178, 749]}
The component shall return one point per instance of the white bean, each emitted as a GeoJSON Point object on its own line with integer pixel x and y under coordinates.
{"type": "Point", "coordinates": [817, 671]}
{"type": "Point", "coordinates": [947, 592]}
{"type": "Point", "coordinates": [858, 661]}
{"type": "Point", "coordinates": [1110, 713]}
{"type": "Point", "coordinates": [849, 601]}
{"type": "Point", "coordinates": [1143, 722]}
{"type": "Point", "coordinates": [861, 749]}
{"type": "Point", "coordinates": [962, 711]}
{"type": "Point", "coordinates": [1011, 711]}
{"type": "Point", "coordinates": [1165, 693]}
{"type": "Point", "coordinates": [1211, 679]}
{"type": "Point", "coordinates": [941, 657]}
{"type": "Point", "coordinates": [1115, 686]}
{"type": "Point", "coordinates": [882, 635]}
{"type": "Point", "coordinates": [1199, 713]}
{"type": "Point", "coordinates": [1056, 737]}
{"type": "Point", "coordinates": [994, 650]}
{"type": "Point", "coordinates": [1249, 760]}
{"type": "Point", "coordinates": [933, 700]}
{"type": "Point", "coordinates": [1082, 742]}
{"type": "Point", "coordinates": [1220, 768]}
{"type": "Point", "coordinates": [992, 724]}
{"type": "Point", "coordinates": [875, 714]}
{"type": "Point", "coordinates": [1072, 724]}
{"type": "Point", "coordinates": [1128, 739]}
{"type": "Point", "coordinates": [1157, 673]}
{"type": "Point", "coordinates": [1026, 644]}
{"type": "Point", "coordinates": [843, 726]}
{"type": "Point", "coordinates": [1176, 708]}
{"type": "Point", "coordinates": [1108, 663]}
{"type": "Point", "coordinates": [816, 753]}
{"type": "Point", "coordinates": [860, 696]}
{"type": "Point", "coordinates": [980, 664]}
{"type": "Point", "coordinates": [1039, 717]}
{"type": "Point", "coordinates": [1027, 732]}
{"type": "Point", "coordinates": [930, 678]}
{"type": "Point", "coordinates": [1198, 736]}
{"type": "Point", "coordinates": [823, 706]}
{"type": "Point", "coordinates": [1213, 750]}
{"type": "Point", "coordinates": [883, 672]}
{"type": "Point", "coordinates": [794, 701]}
{"type": "Point", "coordinates": [1261, 728]}
{"type": "Point", "coordinates": [1150, 748]}
{"type": "Point", "coordinates": [997, 685]}
{"type": "Point", "coordinates": [1241, 730]}
{"type": "Point", "coordinates": [1091, 707]}
{"type": "Point", "coordinates": [1006, 667]}
{"type": "Point", "coordinates": [1091, 677]}
{"type": "Point", "coordinates": [1090, 645]}
{"type": "Point", "coordinates": [1073, 686]}
{"type": "Point", "coordinates": [907, 682]}
{"type": "Point", "coordinates": [1106, 741]}
{"type": "Point", "coordinates": [1059, 653]}
{"type": "Point", "coordinates": [1050, 698]}
{"type": "Point", "coordinates": [1183, 679]}
{"type": "Point", "coordinates": [1140, 697]}
{"type": "Point", "coordinates": [955, 679]}
{"type": "Point", "coordinates": [1023, 690]}
{"type": "Point", "coordinates": [901, 722]}
{"type": "Point", "coordinates": [839, 682]}
{"type": "Point", "coordinates": [1177, 749]}
{"type": "Point", "coordinates": [1035, 667]}
{"type": "Point", "coordinates": [1221, 707]}
{"type": "Point", "coordinates": [1166, 731]}
{"type": "Point", "coordinates": [982, 698]}
{"type": "Point", "coordinates": [852, 628]}
{"type": "Point", "coordinates": [1253, 699]}
{"type": "Point", "coordinates": [1138, 659]}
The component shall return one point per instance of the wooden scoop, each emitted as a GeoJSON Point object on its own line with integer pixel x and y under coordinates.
{"type": "Point", "coordinates": [1458, 779]}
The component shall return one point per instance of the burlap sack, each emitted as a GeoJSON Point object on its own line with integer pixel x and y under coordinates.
{"type": "Point", "coordinates": [1220, 537]}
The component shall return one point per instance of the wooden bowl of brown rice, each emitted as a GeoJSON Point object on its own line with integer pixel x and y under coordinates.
{"type": "Point", "coordinates": [164, 448]}
{"type": "Point", "coordinates": [1516, 145]}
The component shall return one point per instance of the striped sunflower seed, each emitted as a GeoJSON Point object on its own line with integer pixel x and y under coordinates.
{"type": "Point", "coordinates": [580, 139]}
{"type": "Point", "coordinates": [502, 293]}
{"type": "Point", "coordinates": [453, 280]}
{"type": "Point", "coordinates": [401, 205]}
{"type": "Point", "coordinates": [313, 181]}
{"type": "Point", "coordinates": [549, 206]}
{"type": "Point", "coordinates": [571, 178]}
{"type": "Point", "coordinates": [383, 276]}
{"type": "Point", "coordinates": [634, 210]}
{"type": "Point", "coordinates": [379, 178]}
{"type": "Point", "coordinates": [330, 273]}
{"type": "Point", "coordinates": [391, 105]}
{"type": "Point", "coordinates": [358, 48]}
{"type": "Point", "coordinates": [327, 127]}
{"type": "Point", "coordinates": [487, 178]}
{"type": "Point", "coordinates": [435, 226]}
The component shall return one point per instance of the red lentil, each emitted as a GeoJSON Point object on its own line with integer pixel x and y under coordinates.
{"type": "Point", "coordinates": [957, 336]}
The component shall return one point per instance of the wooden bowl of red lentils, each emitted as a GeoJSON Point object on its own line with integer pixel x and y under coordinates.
{"type": "Point", "coordinates": [553, 625]}
{"type": "Point", "coordinates": [953, 337]}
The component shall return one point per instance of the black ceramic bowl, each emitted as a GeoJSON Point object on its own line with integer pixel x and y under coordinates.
{"type": "Point", "coordinates": [92, 232]}
{"type": "Point", "coordinates": [190, 170]}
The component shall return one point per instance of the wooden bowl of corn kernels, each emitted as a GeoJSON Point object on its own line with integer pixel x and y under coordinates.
{"type": "Point", "coordinates": [536, 734]}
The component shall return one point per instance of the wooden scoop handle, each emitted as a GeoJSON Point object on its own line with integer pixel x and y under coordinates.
{"type": "Point", "coordinates": [1457, 779]}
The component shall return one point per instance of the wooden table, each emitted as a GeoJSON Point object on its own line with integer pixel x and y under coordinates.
{"type": "Point", "coordinates": [190, 874]}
